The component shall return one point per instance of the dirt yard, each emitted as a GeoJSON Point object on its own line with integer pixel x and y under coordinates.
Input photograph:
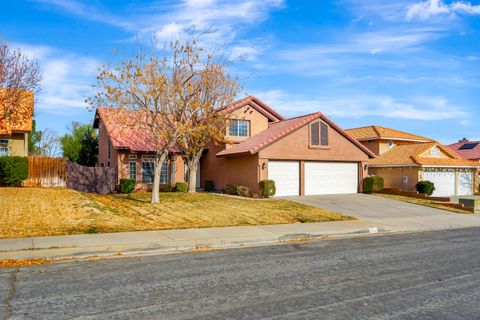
{"type": "Point", "coordinates": [26, 212]}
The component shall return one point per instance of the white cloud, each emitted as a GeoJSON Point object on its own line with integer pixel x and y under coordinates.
{"type": "Point", "coordinates": [66, 79]}
{"type": "Point", "coordinates": [431, 8]}
{"type": "Point", "coordinates": [363, 106]}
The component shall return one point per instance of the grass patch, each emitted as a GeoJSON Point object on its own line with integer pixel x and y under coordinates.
{"type": "Point", "coordinates": [423, 202]}
{"type": "Point", "coordinates": [26, 212]}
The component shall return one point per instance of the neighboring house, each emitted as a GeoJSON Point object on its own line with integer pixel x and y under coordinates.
{"type": "Point", "coordinates": [15, 129]}
{"type": "Point", "coordinates": [303, 155]}
{"type": "Point", "coordinates": [467, 149]}
{"type": "Point", "coordinates": [380, 139]}
{"type": "Point", "coordinates": [408, 161]}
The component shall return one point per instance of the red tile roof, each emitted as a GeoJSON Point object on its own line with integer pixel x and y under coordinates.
{"type": "Point", "coordinates": [256, 103]}
{"type": "Point", "coordinates": [125, 136]}
{"type": "Point", "coordinates": [470, 154]}
{"type": "Point", "coordinates": [281, 129]}
{"type": "Point", "coordinates": [411, 154]}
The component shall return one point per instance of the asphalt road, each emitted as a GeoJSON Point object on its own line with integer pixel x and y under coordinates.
{"type": "Point", "coordinates": [433, 275]}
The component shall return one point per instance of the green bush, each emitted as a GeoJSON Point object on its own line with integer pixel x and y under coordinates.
{"type": "Point", "coordinates": [209, 185]}
{"type": "Point", "coordinates": [13, 170]}
{"type": "Point", "coordinates": [267, 188]}
{"type": "Point", "coordinates": [231, 189]}
{"type": "Point", "coordinates": [167, 188]}
{"type": "Point", "coordinates": [243, 191]}
{"type": "Point", "coordinates": [127, 185]}
{"type": "Point", "coordinates": [426, 187]}
{"type": "Point", "coordinates": [181, 187]}
{"type": "Point", "coordinates": [373, 184]}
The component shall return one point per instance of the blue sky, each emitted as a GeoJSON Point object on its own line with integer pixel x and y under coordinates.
{"type": "Point", "coordinates": [408, 64]}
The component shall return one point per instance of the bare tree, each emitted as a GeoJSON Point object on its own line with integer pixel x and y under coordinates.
{"type": "Point", "coordinates": [212, 89]}
{"type": "Point", "coordinates": [49, 144]}
{"type": "Point", "coordinates": [19, 77]}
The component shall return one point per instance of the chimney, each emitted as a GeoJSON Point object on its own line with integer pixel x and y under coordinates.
{"type": "Point", "coordinates": [463, 140]}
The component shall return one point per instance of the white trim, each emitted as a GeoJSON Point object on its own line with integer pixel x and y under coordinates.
{"type": "Point", "coordinates": [392, 165]}
{"type": "Point", "coordinates": [432, 166]}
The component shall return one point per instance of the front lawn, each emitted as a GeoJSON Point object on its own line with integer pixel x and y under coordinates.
{"type": "Point", "coordinates": [26, 212]}
{"type": "Point", "coordinates": [422, 202]}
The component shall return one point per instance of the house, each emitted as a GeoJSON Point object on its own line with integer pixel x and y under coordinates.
{"type": "Point", "coordinates": [379, 139]}
{"type": "Point", "coordinates": [405, 159]}
{"type": "Point", "coordinates": [467, 149]}
{"type": "Point", "coordinates": [304, 155]}
{"type": "Point", "coordinates": [15, 128]}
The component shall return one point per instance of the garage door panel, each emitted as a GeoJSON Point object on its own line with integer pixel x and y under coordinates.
{"type": "Point", "coordinates": [331, 178]}
{"type": "Point", "coordinates": [444, 183]}
{"type": "Point", "coordinates": [465, 183]}
{"type": "Point", "coordinates": [286, 175]}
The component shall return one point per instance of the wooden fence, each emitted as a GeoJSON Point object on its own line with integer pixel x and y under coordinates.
{"type": "Point", "coordinates": [46, 172]}
{"type": "Point", "coordinates": [59, 172]}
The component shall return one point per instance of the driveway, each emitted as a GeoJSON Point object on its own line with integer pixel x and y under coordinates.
{"type": "Point", "coordinates": [391, 214]}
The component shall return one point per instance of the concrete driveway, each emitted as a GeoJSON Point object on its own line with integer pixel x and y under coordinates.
{"type": "Point", "coordinates": [390, 214]}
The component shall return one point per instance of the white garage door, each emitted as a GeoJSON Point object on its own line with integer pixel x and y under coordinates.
{"type": "Point", "coordinates": [331, 178]}
{"type": "Point", "coordinates": [444, 183]}
{"type": "Point", "coordinates": [465, 183]}
{"type": "Point", "coordinates": [286, 175]}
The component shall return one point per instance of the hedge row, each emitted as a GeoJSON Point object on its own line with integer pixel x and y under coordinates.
{"type": "Point", "coordinates": [13, 170]}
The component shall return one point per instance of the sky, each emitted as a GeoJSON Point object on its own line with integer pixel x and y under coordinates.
{"type": "Point", "coordinates": [412, 65]}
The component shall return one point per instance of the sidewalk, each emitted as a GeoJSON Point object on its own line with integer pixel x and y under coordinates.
{"type": "Point", "coordinates": [150, 242]}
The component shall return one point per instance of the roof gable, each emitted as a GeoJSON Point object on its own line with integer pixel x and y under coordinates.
{"type": "Point", "coordinates": [379, 132]}
{"type": "Point", "coordinates": [281, 129]}
{"type": "Point", "coordinates": [258, 105]}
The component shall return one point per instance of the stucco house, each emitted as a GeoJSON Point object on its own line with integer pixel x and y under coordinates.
{"type": "Point", "coordinates": [309, 154]}
{"type": "Point", "coordinates": [14, 130]}
{"type": "Point", "coordinates": [404, 159]}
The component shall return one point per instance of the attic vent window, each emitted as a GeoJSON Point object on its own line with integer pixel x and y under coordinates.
{"type": "Point", "coordinates": [468, 146]}
{"type": "Point", "coordinates": [318, 134]}
{"type": "Point", "coordinates": [434, 151]}
{"type": "Point", "coordinates": [390, 144]}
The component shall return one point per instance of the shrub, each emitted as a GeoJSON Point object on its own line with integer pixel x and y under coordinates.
{"type": "Point", "coordinates": [372, 184]}
{"type": "Point", "coordinates": [426, 187]}
{"type": "Point", "coordinates": [243, 191]}
{"type": "Point", "coordinates": [167, 188]}
{"type": "Point", "coordinates": [231, 189]}
{"type": "Point", "coordinates": [13, 170]}
{"type": "Point", "coordinates": [181, 187]}
{"type": "Point", "coordinates": [267, 188]}
{"type": "Point", "coordinates": [127, 185]}
{"type": "Point", "coordinates": [209, 185]}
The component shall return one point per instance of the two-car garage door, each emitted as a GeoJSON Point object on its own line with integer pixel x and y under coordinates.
{"type": "Point", "coordinates": [446, 183]}
{"type": "Point", "coordinates": [319, 177]}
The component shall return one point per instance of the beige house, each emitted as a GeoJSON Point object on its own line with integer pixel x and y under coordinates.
{"type": "Point", "coordinates": [403, 159]}
{"type": "Point", "coordinates": [15, 129]}
{"type": "Point", "coordinates": [304, 155]}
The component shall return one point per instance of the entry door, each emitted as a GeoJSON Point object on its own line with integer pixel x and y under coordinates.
{"type": "Point", "coordinates": [286, 175]}
{"type": "Point", "coordinates": [465, 183]}
{"type": "Point", "coordinates": [331, 178]}
{"type": "Point", "coordinates": [444, 183]}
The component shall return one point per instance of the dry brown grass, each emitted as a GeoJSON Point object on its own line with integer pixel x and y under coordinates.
{"type": "Point", "coordinates": [26, 212]}
{"type": "Point", "coordinates": [423, 202]}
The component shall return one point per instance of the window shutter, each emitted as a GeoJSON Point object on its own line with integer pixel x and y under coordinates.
{"type": "Point", "coordinates": [324, 134]}
{"type": "Point", "coordinates": [315, 134]}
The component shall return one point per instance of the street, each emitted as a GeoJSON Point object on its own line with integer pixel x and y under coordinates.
{"type": "Point", "coordinates": [430, 275]}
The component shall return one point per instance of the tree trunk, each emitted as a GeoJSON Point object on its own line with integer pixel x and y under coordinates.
{"type": "Point", "coordinates": [192, 165]}
{"type": "Point", "coordinates": [156, 179]}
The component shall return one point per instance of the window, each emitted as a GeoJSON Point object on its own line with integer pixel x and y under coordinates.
{"type": "Point", "coordinates": [108, 150]}
{"type": "Point", "coordinates": [172, 172]}
{"type": "Point", "coordinates": [108, 164]}
{"type": "Point", "coordinates": [164, 173]}
{"type": "Point", "coordinates": [148, 171]}
{"type": "Point", "coordinates": [4, 151]}
{"type": "Point", "coordinates": [132, 170]}
{"type": "Point", "coordinates": [315, 134]}
{"type": "Point", "coordinates": [390, 144]}
{"type": "Point", "coordinates": [3, 141]}
{"type": "Point", "coordinates": [323, 134]}
{"type": "Point", "coordinates": [132, 157]}
{"type": "Point", "coordinates": [238, 128]}
{"type": "Point", "coordinates": [319, 134]}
